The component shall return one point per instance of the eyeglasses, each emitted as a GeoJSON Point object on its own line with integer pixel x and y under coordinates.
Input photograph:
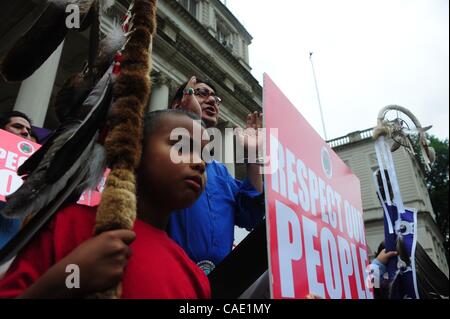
{"type": "Point", "coordinates": [204, 92]}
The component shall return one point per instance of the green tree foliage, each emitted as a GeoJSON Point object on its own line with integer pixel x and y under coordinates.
{"type": "Point", "coordinates": [437, 181]}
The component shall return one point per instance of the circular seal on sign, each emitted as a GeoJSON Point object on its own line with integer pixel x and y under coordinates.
{"type": "Point", "coordinates": [326, 162]}
{"type": "Point", "coordinates": [207, 266]}
{"type": "Point", "coordinates": [25, 148]}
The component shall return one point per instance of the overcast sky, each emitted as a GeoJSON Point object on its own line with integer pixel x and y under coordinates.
{"type": "Point", "coordinates": [367, 54]}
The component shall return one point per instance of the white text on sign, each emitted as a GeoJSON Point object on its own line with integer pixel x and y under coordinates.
{"type": "Point", "coordinates": [327, 236]}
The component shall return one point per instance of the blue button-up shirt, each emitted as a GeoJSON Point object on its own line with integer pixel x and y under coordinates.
{"type": "Point", "coordinates": [206, 230]}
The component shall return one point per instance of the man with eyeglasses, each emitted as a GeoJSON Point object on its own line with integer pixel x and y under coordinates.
{"type": "Point", "coordinates": [198, 96]}
{"type": "Point", "coordinates": [206, 230]}
{"type": "Point", "coordinates": [16, 123]}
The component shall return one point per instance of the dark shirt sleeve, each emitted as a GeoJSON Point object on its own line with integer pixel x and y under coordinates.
{"type": "Point", "coordinates": [250, 208]}
{"type": "Point", "coordinates": [31, 263]}
{"type": "Point", "coordinates": [8, 228]}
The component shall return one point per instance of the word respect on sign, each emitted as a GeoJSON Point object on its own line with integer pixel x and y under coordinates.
{"type": "Point", "coordinates": [314, 211]}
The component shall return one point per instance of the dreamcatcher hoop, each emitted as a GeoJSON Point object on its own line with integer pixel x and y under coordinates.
{"type": "Point", "coordinates": [399, 131]}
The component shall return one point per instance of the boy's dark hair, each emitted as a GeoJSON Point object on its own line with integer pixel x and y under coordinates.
{"type": "Point", "coordinates": [6, 117]}
{"type": "Point", "coordinates": [179, 93]}
{"type": "Point", "coordinates": [152, 119]}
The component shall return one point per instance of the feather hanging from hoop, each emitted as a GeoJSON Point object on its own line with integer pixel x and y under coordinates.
{"type": "Point", "coordinates": [17, 17]}
{"type": "Point", "coordinates": [399, 132]}
{"type": "Point", "coordinates": [41, 197]}
{"type": "Point", "coordinates": [46, 176]}
{"type": "Point", "coordinates": [43, 37]}
{"type": "Point", "coordinates": [101, 56]}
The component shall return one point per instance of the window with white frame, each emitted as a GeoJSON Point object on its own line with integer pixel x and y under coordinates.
{"type": "Point", "coordinates": [224, 34]}
{"type": "Point", "coordinates": [190, 5]}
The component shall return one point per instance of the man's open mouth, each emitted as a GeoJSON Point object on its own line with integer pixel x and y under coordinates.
{"type": "Point", "coordinates": [210, 110]}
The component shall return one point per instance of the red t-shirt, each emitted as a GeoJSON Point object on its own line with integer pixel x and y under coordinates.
{"type": "Point", "coordinates": [157, 269]}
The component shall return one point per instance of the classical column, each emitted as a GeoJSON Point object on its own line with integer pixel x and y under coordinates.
{"type": "Point", "coordinates": [35, 91]}
{"type": "Point", "coordinates": [159, 99]}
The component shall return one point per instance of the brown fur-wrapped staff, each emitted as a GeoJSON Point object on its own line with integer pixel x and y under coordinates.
{"type": "Point", "coordinates": [117, 208]}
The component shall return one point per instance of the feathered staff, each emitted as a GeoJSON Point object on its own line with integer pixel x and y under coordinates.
{"type": "Point", "coordinates": [83, 105]}
{"type": "Point", "coordinates": [57, 172]}
{"type": "Point", "coordinates": [400, 222]}
{"type": "Point", "coordinates": [72, 160]}
{"type": "Point", "coordinates": [117, 208]}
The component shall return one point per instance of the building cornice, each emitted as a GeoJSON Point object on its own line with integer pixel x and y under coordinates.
{"type": "Point", "coordinates": [214, 44]}
{"type": "Point", "coordinates": [231, 18]}
{"type": "Point", "coordinates": [351, 138]}
{"type": "Point", "coordinates": [208, 66]}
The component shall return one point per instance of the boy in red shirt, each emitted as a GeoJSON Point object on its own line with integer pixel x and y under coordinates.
{"type": "Point", "coordinates": [147, 262]}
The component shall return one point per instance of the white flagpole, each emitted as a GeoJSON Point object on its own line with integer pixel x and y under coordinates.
{"type": "Point", "coordinates": [318, 97]}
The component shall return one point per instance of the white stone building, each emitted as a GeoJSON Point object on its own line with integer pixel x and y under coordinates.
{"type": "Point", "coordinates": [357, 150]}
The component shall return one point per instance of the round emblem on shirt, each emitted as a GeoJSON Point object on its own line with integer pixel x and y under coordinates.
{"type": "Point", "coordinates": [207, 266]}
